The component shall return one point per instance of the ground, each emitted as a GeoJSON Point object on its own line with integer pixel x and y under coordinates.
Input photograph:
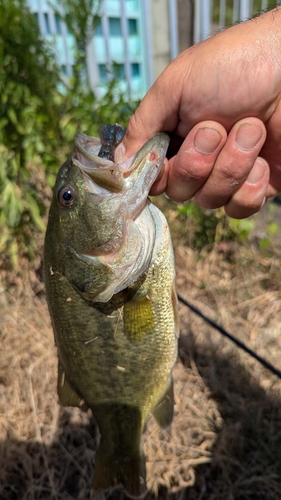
{"type": "Point", "coordinates": [224, 442]}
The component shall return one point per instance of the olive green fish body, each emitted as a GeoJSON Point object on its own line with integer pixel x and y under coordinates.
{"type": "Point", "coordinates": [116, 342]}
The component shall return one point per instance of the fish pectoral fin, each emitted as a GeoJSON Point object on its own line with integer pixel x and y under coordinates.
{"type": "Point", "coordinates": [163, 412]}
{"type": "Point", "coordinates": [67, 395]}
{"type": "Point", "coordinates": [138, 318]}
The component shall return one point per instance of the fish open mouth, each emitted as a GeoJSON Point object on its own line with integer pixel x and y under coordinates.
{"type": "Point", "coordinates": [103, 172]}
{"type": "Point", "coordinates": [112, 175]}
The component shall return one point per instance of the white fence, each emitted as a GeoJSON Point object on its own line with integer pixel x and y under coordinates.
{"type": "Point", "coordinates": [210, 16]}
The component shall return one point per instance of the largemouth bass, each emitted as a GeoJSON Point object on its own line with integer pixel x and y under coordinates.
{"type": "Point", "coordinates": [109, 276]}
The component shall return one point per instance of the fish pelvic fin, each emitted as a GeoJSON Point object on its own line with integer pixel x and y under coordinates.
{"type": "Point", "coordinates": [163, 412]}
{"type": "Point", "coordinates": [67, 395]}
{"type": "Point", "coordinates": [114, 472]}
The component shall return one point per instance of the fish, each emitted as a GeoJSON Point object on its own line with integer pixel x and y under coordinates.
{"type": "Point", "coordinates": [110, 285]}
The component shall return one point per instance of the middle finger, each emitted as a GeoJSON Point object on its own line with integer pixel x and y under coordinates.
{"type": "Point", "coordinates": [233, 163]}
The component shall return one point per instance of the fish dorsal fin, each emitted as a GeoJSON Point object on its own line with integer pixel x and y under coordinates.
{"type": "Point", "coordinates": [163, 412]}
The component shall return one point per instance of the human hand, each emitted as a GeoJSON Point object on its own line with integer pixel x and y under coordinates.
{"type": "Point", "coordinates": [220, 102]}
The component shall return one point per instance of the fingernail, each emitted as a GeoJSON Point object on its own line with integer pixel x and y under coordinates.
{"type": "Point", "coordinates": [257, 172]}
{"type": "Point", "coordinates": [206, 140]}
{"type": "Point", "coordinates": [119, 153]}
{"type": "Point", "coordinates": [248, 136]}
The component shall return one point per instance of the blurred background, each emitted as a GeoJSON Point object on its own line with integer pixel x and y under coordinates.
{"type": "Point", "coordinates": [140, 37]}
{"type": "Point", "coordinates": [75, 65]}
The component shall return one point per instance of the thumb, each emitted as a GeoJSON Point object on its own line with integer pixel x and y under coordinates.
{"type": "Point", "coordinates": [157, 112]}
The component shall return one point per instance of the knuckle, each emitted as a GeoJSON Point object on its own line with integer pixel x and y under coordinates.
{"type": "Point", "coordinates": [134, 124]}
{"type": "Point", "coordinates": [186, 171]}
{"type": "Point", "coordinates": [233, 173]}
{"type": "Point", "coordinates": [244, 206]}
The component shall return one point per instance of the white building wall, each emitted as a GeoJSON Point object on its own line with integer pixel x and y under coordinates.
{"type": "Point", "coordinates": [121, 46]}
{"type": "Point", "coordinates": [140, 36]}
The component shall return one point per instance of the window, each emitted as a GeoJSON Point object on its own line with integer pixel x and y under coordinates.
{"type": "Point", "coordinates": [103, 72]}
{"type": "Point", "coordinates": [58, 24]}
{"type": "Point", "coordinates": [135, 70]}
{"type": "Point", "coordinates": [114, 26]}
{"type": "Point", "coordinates": [132, 26]}
{"type": "Point", "coordinates": [98, 27]}
{"type": "Point", "coordinates": [47, 24]}
{"type": "Point", "coordinates": [119, 71]}
{"type": "Point", "coordinates": [63, 69]}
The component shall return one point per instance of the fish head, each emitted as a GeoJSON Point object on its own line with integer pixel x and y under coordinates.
{"type": "Point", "coordinates": [93, 197]}
{"type": "Point", "coordinates": [82, 211]}
{"type": "Point", "coordinates": [96, 207]}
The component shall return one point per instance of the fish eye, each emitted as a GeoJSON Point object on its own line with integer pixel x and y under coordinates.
{"type": "Point", "coordinates": [66, 196]}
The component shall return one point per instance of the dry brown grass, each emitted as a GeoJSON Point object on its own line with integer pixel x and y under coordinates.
{"type": "Point", "coordinates": [225, 441]}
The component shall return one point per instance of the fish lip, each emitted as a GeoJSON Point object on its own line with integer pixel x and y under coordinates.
{"type": "Point", "coordinates": [125, 167]}
{"type": "Point", "coordinates": [80, 142]}
{"type": "Point", "coordinates": [105, 177]}
{"type": "Point", "coordinates": [158, 141]}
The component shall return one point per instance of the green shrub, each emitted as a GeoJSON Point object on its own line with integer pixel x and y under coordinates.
{"type": "Point", "coordinates": [37, 126]}
{"type": "Point", "coordinates": [28, 124]}
{"type": "Point", "coordinates": [207, 227]}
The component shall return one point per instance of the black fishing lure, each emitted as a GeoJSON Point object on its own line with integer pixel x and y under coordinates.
{"type": "Point", "coordinates": [110, 136]}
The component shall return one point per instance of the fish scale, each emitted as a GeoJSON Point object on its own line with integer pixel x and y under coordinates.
{"type": "Point", "coordinates": [111, 296]}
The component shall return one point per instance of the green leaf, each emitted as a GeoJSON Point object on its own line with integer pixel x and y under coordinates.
{"type": "Point", "coordinates": [264, 243]}
{"type": "Point", "coordinates": [11, 203]}
{"type": "Point", "coordinates": [242, 227]}
{"type": "Point", "coordinates": [272, 228]}
{"type": "Point", "coordinates": [12, 116]}
{"type": "Point", "coordinates": [35, 212]}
